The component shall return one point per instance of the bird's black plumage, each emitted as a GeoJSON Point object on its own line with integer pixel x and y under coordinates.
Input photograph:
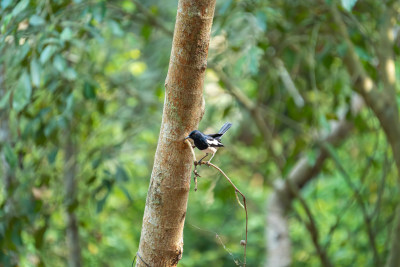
{"type": "Point", "coordinates": [209, 142]}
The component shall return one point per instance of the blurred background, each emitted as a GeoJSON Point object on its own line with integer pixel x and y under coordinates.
{"type": "Point", "coordinates": [81, 97]}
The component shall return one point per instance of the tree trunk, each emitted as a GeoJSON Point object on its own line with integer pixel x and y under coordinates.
{"type": "Point", "coordinates": [161, 242]}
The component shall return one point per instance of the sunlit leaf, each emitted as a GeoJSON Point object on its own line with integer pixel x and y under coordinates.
{"type": "Point", "coordinates": [66, 34]}
{"type": "Point", "coordinates": [115, 28]}
{"type": "Point", "coordinates": [5, 3]}
{"type": "Point", "coordinates": [59, 63]}
{"type": "Point", "coordinates": [22, 93]}
{"type": "Point", "coordinates": [35, 72]}
{"type": "Point", "coordinates": [128, 6]}
{"type": "Point", "coordinates": [70, 74]}
{"type": "Point", "coordinates": [261, 20]}
{"type": "Point", "coordinates": [20, 7]}
{"type": "Point", "coordinates": [348, 4]}
{"type": "Point", "coordinates": [47, 53]}
{"type": "Point", "coordinates": [5, 99]}
{"type": "Point", "coordinates": [36, 20]}
{"type": "Point", "coordinates": [10, 155]}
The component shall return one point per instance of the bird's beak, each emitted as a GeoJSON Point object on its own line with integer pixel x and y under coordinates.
{"type": "Point", "coordinates": [186, 137]}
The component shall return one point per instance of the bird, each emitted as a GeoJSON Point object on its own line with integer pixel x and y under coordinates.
{"type": "Point", "coordinates": [208, 143]}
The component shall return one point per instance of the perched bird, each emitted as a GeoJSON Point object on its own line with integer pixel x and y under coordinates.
{"type": "Point", "coordinates": [208, 143]}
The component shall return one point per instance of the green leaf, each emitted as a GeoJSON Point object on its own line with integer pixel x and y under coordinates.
{"type": "Point", "coordinates": [22, 92]}
{"type": "Point", "coordinates": [36, 20]}
{"type": "Point", "coordinates": [69, 103]}
{"type": "Point", "coordinates": [128, 6]}
{"type": "Point", "coordinates": [115, 28]}
{"type": "Point", "coordinates": [47, 53]}
{"type": "Point", "coordinates": [66, 34]}
{"type": "Point", "coordinates": [70, 74]}
{"type": "Point", "coordinates": [20, 7]}
{"type": "Point", "coordinates": [89, 91]}
{"type": "Point", "coordinates": [10, 155]}
{"type": "Point", "coordinates": [348, 4]}
{"type": "Point", "coordinates": [35, 72]}
{"type": "Point", "coordinates": [261, 20]}
{"type": "Point", "coordinates": [6, 19]}
{"type": "Point", "coordinates": [311, 157]}
{"type": "Point", "coordinates": [22, 53]}
{"type": "Point", "coordinates": [5, 99]}
{"type": "Point", "coordinates": [5, 3]}
{"type": "Point", "coordinates": [126, 193]}
{"type": "Point", "coordinates": [51, 157]}
{"type": "Point", "coordinates": [59, 63]}
{"type": "Point", "coordinates": [121, 175]}
{"type": "Point", "coordinates": [254, 56]}
{"type": "Point", "coordinates": [51, 127]}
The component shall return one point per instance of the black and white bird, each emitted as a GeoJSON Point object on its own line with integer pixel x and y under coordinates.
{"type": "Point", "coordinates": [208, 143]}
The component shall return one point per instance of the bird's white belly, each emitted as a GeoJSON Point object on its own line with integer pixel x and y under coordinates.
{"type": "Point", "coordinates": [210, 150]}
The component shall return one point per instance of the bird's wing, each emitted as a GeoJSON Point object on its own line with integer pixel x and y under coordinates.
{"type": "Point", "coordinates": [215, 135]}
{"type": "Point", "coordinates": [213, 142]}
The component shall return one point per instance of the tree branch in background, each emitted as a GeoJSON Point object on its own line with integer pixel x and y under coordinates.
{"type": "Point", "coordinates": [366, 216]}
{"type": "Point", "coordinates": [255, 111]}
{"type": "Point", "coordinates": [279, 203]}
{"type": "Point", "coordinates": [152, 19]}
{"type": "Point", "coordinates": [311, 226]}
{"type": "Point", "coordinates": [72, 230]}
{"type": "Point", "coordinates": [382, 102]}
{"type": "Point", "coordinates": [288, 83]}
{"type": "Point", "coordinates": [161, 241]}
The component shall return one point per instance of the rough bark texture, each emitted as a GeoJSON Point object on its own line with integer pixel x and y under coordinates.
{"type": "Point", "coordinates": [279, 203]}
{"type": "Point", "coordinates": [161, 242]}
{"type": "Point", "coordinates": [72, 230]}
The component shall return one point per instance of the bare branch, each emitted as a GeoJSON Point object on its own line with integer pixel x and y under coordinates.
{"type": "Point", "coordinates": [279, 203]}
{"type": "Point", "coordinates": [244, 206]}
{"type": "Point", "coordinates": [255, 111]}
{"type": "Point", "coordinates": [312, 227]}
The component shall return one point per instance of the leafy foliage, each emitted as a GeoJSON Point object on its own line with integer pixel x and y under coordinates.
{"type": "Point", "coordinates": [93, 73]}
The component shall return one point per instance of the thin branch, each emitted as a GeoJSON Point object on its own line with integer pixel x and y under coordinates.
{"type": "Point", "coordinates": [244, 206]}
{"type": "Point", "coordinates": [254, 110]}
{"type": "Point", "coordinates": [288, 83]}
{"type": "Point", "coordinates": [311, 226]}
{"type": "Point", "coordinates": [366, 216]}
{"type": "Point", "coordinates": [152, 18]}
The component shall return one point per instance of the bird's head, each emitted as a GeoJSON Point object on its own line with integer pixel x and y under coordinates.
{"type": "Point", "coordinates": [193, 134]}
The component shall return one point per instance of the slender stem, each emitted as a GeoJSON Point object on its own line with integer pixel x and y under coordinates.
{"type": "Point", "coordinates": [196, 163]}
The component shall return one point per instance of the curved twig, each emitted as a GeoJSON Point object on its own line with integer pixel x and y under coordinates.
{"type": "Point", "coordinates": [244, 206]}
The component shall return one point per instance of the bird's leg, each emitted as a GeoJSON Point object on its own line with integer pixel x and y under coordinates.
{"type": "Point", "coordinates": [202, 158]}
{"type": "Point", "coordinates": [209, 161]}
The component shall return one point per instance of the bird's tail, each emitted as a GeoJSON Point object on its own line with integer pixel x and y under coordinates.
{"type": "Point", "coordinates": [225, 128]}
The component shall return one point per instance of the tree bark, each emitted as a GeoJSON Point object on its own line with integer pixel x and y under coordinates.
{"type": "Point", "coordinates": [161, 242]}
